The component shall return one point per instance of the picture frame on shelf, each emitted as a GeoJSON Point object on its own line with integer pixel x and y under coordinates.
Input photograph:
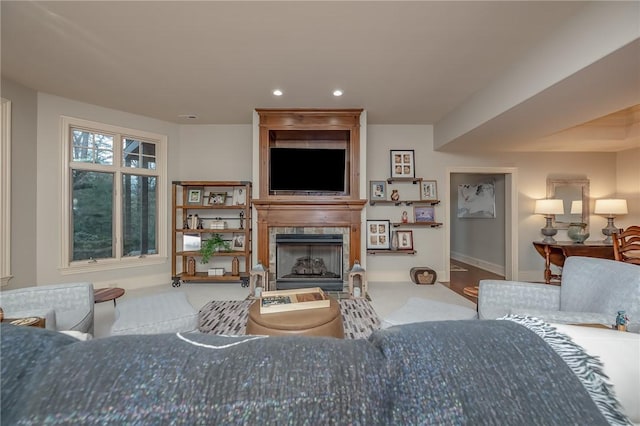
{"type": "Point", "coordinates": [191, 242]}
{"type": "Point", "coordinates": [238, 242]}
{"type": "Point", "coordinates": [403, 163]}
{"type": "Point", "coordinates": [428, 190]}
{"type": "Point", "coordinates": [424, 214]}
{"type": "Point", "coordinates": [405, 240]}
{"type": "Point", "coordinates": [217, 198]}
{"type": "Point", "coordinates": [239, 196]}
{"type": "Point", "coordinates": [194, 196]}
{"type": "Point", "coordinates": [378, 234]}
{"type": "Point", "coordinates": [378, 190]}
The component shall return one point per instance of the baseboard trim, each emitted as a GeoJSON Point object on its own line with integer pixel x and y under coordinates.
{"type": "Point", "coordinates": [479, 263]}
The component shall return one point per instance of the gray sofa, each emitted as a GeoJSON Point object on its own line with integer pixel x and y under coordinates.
{"type": "Point", "coordinates": [443, 372]}
{"type": "Point", "coordinates": [68, 306]}
{"type": "Point", "coordinates": [592, 291]}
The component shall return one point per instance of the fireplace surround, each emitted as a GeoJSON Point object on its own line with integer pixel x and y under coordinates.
{"type": "Point", "coordinates": [309, 128]}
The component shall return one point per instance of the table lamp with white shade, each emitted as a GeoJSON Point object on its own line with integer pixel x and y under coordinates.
{"type": "Point", "coordinates": [548, 208]}
{"type": "Point", "coordinates": [610, 207]}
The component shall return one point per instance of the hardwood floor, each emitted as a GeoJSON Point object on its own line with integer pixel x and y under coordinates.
{"type": "Point", "coordinates": [470, 277]}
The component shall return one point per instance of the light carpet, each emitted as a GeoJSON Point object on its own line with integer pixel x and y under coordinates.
{"type": "Point", "coordinates": [229, 317]}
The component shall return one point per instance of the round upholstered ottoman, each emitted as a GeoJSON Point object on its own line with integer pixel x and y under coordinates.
{"type": "Point", "coordinates": [308, 322]}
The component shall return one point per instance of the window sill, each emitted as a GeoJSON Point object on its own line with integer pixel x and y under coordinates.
{"type": "Point", "coordinates": [111, 264]}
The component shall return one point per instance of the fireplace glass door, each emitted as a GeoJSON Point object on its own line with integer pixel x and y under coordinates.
{"type": "Point", "coordinates": [309, 260]}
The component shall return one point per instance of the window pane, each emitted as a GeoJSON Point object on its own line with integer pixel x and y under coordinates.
{"type": "Point", "coordinates": [89, 147]}
{"type": "Point", "coordinates": [139, 215]}
{"type": "Point", "coordinates": [92, 217]}
{"type": "Point", "coordinates": [139, 154]}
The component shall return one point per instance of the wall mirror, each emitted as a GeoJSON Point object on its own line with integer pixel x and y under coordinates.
{"type": "Point", "coordinates": [570, 190]}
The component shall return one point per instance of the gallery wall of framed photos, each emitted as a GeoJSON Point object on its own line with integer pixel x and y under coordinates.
{"type": "Point", "coordinates": [416, 199]}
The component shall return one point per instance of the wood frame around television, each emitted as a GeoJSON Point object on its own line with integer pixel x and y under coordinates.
{"type": "Point", "coordinates": [310, 128]}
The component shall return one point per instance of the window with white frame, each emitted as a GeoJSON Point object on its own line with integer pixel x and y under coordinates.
{"type": "Point", "coordinates": [115, 205]}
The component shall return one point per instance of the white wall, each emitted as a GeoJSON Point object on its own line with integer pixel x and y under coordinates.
{"type": "Point", "coordinates": [533, 170]}
{"type": "Point", "coordinates": [24, 106]}
{"type": "Point", "coordinates": [628, 179]}
{"type": "Point", "coordinates": [225, 152]}
{"type": "Point", "coordinates": [50, 108]}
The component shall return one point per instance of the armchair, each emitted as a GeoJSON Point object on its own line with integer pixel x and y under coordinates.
{"type": "Point", "coordinates": [64, 306]}
{"type": "Point", "coordinates": [592, 291]}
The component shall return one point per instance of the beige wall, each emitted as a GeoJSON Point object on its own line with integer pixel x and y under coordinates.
{"type": "Point", "coordinates": [225, 152]}
{"type": "Point", "coordinates": [628, 185]}
{"type": "Point", "coordinates": [24, 107]}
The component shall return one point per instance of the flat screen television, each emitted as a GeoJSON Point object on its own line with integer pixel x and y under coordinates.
{"type": "Point", "coordinates": [307, 170]}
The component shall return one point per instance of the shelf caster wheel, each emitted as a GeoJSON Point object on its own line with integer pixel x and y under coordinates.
{"type": "Point", "coordinates": [244, 282]}
{"type": "Point", "coordinates": [176, 283]}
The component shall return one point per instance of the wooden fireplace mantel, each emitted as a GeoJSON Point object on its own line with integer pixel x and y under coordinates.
{"type": "Point", "coordinates": [311, 213]}
{"type": "Point", "coordinates": [333, 128]}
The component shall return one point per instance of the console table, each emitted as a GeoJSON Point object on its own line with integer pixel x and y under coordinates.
{"type": "Point", "coordinates": [557, 252]}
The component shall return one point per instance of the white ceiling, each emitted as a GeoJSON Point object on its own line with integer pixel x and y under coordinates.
{"type": "Point", "coordinates": [415, 62]}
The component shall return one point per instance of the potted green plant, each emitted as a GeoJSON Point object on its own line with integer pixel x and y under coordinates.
{"type": "Point", "coordinates": [212, 245]}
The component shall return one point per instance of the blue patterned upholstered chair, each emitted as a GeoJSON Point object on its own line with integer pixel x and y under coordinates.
{"type": "Point", "coordinates": [64, 306]}
{"type": "Point", "coordinates": [592, 291]}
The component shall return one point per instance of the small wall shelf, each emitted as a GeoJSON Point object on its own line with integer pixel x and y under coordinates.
{"type": "Point", "coordinates": [405, 202]}
{"type": "Point", "coordinates": [404, 180]}
{"type": "Point", "coordinates": [391, 252]}
{"type": "Point", "coordinates": [416, 224]}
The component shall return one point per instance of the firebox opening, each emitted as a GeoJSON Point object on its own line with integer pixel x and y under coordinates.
{"type": "Point", "coordinates": [309, 260]}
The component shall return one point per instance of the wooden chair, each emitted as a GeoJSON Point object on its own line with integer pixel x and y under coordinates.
{"type": "Point", "coordinates": [626, 245]}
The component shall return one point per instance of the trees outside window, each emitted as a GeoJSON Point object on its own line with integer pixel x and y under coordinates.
{"type": "Point", "coordinates": [113, 202]}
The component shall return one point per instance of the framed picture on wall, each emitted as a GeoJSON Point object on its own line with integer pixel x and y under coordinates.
{"type": "Point", "coordinates": [378, 234]}
{"type": "Point", "coordinates": [378, 190]}
{"type": "Point", "coordinates": [424, 214]}
{"type": "Point", "coordinates": [428, 190]}
{"type": "Point", "coordinates": [402, 164]}
{"type": "Point", "coordinates": [405, 240]}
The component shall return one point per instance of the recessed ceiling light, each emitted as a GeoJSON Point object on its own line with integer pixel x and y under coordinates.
{"type": "Point", "coordinates": [277, 92]}
{"type": "Point", "coordinates": [337, 92]}
{"type": "Point", "coordinates": [188, 116]}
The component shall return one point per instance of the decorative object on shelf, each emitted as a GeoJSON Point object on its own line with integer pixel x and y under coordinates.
{"type": "Point", "coordinates": [610, 208]}
{"type": "Point", "coordinates": [395, 195]}
{"type": "Point", "coordinates": [577, 231]}
{"type": "Point", "coordinates": [357, 281]}
{"type": "Point", "coordinates": [258, 280]}
{"type": "Point", "coordinates": [212, 245]}
{"type": "Point", "coordinates": [235, 266]}
{"type": "Point", "coordinates": [239, 196]}
{"type": "Point", "coordinates": [194, 196]}
{"type": "Point", "coordinates": [477, 200]}
{"type": "Point", "coordinates": [215, 272]}
{"type": "Point", "coordinates": [424, 214]}
{"type": "Point", "coordinates": [242, 219]}
{"type": "Point", "coordinates": [186, 222]}
{"type": "Point", "coordinates": [217, 198]}
{"type": "Point", "coordinates": [405, 217]}
{"type": "Point", "coordinates": [191, 266]}
{"type": "Point", "coordinates": [402, 163]}
{"type": "Point", "coordinates": [428, 190]}
{"type": "Point", "coordinates": [195, 222]}
{"type": "Point", "coordinates": [238, 242]}
{"type": "Point", "coordinates": [191, 242]}
{"type": "Point", "coordinates": [548, 208]}
{"type": "Point", "coordinates": [423, 275]}
{"type": "Point", "coordinates": [378, 190]}
{"type": "Point", "coordinates": [394, 240]}
{"type": "Point", "coordinates": [621, 321]}
{"type": "Point", "coordinates": [378, 234]}
{"type": "Point", "coordinates": [218, 223]}
{"type": "Point", "coordinates": [405, 240]}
